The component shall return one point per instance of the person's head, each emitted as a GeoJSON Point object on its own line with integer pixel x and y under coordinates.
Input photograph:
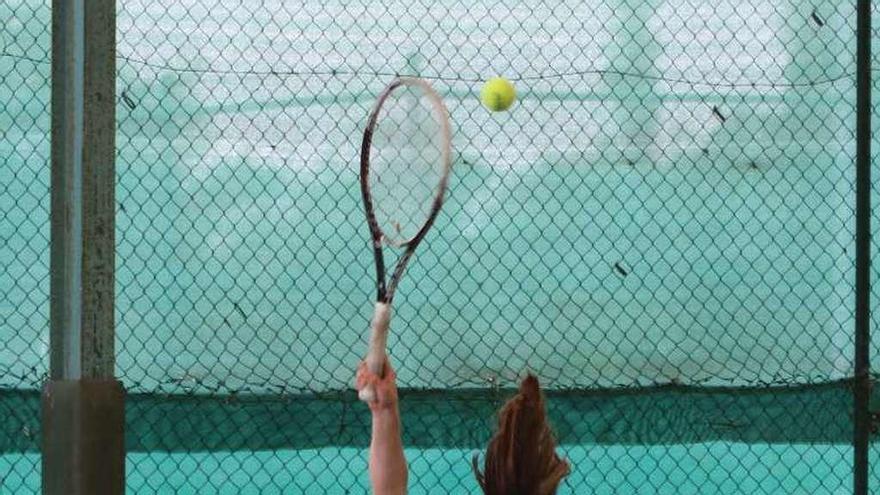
{"type": "Point", "coordinates": [521, 458]}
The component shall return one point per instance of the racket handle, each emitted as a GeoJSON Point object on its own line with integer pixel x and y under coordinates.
{"type": "Point", "coordinates": [376, 354]}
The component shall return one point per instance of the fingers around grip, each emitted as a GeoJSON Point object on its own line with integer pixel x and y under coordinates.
{"type": "Point", "coordinates": [377, 390]}
{"type": "Point", "coordinates": [374, 367]}
{"type": "Point", "coordinates": [371, 375]}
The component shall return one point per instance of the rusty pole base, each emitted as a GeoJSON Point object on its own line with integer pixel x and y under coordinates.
{"type": "Point", "coordinates": [83, 440]}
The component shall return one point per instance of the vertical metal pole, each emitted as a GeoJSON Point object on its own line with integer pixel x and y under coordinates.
{"type": "Point", "coordinates": [66, 192]}
{"type": "Point", "coordinates": [862, 385]}
{"type": "Point", "coordinates": [82, 410]}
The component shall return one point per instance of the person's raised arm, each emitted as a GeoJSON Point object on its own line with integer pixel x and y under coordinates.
{"type": "Point", "coordinates": [388, 473]}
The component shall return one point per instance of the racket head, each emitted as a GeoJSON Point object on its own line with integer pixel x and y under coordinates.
{"type": "Point", "coordinates": [405, 162]}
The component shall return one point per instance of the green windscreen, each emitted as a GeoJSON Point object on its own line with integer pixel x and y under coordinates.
{"type": "Point", "coordinates": [661, 229]}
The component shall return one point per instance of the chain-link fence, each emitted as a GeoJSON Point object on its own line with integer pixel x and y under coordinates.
{"type": "Point", "coordinates": [25, 43]}
{"type": "Point", "coordinates": [661, 229]}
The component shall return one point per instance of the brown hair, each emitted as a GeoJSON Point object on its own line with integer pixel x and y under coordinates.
{"type": "Point", "coordinates": [521, 458]}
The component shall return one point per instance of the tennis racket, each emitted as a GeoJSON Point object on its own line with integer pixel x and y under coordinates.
{"type": "Point", "coordinates": [405, 163]}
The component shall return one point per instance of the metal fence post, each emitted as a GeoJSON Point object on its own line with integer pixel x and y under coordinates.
{"type": "Point", "coordinates": [82, 404]}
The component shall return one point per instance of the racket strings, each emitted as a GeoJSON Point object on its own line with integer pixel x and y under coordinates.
{"type": "Point", "coordinates": [406, 163]}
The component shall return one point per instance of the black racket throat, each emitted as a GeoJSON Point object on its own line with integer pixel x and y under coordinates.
{"type": "Point", "coordinates": [385, 291]}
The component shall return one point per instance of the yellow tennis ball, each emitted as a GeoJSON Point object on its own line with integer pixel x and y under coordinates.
{"type": "Point", "coordinates": [498, 94]}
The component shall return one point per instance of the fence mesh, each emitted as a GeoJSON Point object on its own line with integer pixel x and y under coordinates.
{"type": "Point", "coordinates": [661, 229]}
{"type": "Point", "coordinates": [25, 41]}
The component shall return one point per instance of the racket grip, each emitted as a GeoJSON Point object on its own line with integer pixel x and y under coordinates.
{"type": "Point", "coordinates": [376, 353]}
